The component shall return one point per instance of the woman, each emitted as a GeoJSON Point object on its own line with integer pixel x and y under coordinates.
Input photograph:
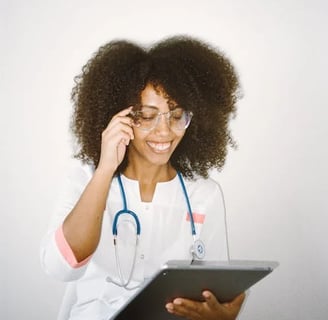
{"type": "Point", "coordinates": [149, 123]}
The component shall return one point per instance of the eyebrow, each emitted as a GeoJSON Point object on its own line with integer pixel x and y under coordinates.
{"type": "Point", "coordinates": [148, 106]}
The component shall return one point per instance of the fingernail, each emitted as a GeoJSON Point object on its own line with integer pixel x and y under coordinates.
{"type": "Point", "coordinates": [169, 307]}
{"type": "Point", "coordinates": [177, 301]}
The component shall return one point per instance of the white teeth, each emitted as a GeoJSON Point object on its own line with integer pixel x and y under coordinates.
{"type": "Point", "coordinates": [159, 146]}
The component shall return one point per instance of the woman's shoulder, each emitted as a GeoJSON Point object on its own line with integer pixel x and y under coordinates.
{"type": "Point", "coordinates": [204, 192]}
{"type": "Point", "coordinates": [205, 185]}
{"type": "Point", "coordinates": [77, 169]}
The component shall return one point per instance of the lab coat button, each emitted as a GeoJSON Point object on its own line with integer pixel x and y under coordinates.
{"type": "Point", "coordinates": [142, 257]}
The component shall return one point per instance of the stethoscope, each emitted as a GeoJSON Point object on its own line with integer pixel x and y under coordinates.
{"type": "Point", "coordinates": [197, 249]}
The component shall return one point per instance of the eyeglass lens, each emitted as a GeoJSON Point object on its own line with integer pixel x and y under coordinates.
{"type": "Point", "coordinates": [147, 118]}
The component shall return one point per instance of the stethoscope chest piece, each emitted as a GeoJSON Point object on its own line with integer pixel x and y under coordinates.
{"type": "Point", "coordinates": [198, 250]}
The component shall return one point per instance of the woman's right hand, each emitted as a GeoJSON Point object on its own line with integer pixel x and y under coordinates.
{"type": "Point", "coordinates": [114, 141]}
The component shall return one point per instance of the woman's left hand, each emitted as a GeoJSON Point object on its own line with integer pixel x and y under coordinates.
{"type": "Point", "coordinates": [210, 309]}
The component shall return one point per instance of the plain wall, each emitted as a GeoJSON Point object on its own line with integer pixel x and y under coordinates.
{"type": "Point", "coordinates": [275, 183]}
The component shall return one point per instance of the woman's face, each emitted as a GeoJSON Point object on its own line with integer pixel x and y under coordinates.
{"type": "Point", "coordinates": [156, 146]}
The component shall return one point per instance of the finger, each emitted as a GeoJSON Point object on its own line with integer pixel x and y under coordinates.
{"type": "Point", "coordinates": [238, 301]}
{"type": "Point", "coordinates": [169, 307]}
{"type": "Point", "coordinates": [119, 125]}
{"type": "Point", "coordinates": [128, 130]}
{"type": "Point", "coordinates": [117, 131]}
{"type": "Point", "coordinates": [124, 112]}
{"type": "Point", "coordinates": [233, 307]}
{"type": "Point", "coordinates": [210, 299]}
{"type": "Point", "coordinates": [119, 122]}
{"type": "Point", "coordinates": [119, 119]}
{"type": "Point", "coordinates": [125, 141]}
{"type": "Point", "coordinates": [186, 308]}
{"type": "Point", "coordinates": [123, 115]}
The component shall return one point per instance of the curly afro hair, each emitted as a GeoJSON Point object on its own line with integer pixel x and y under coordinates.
{"type": "Point", "coordinates": [191, 72]}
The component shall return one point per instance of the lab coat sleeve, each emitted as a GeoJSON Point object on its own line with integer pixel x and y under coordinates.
{"type": "Point", "coordinates": [52, 259]}
{"type": "Point", "coordinates": [214, 230]}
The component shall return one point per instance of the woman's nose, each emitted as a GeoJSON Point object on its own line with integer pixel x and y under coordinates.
{"type": "Point", "coordinates": [163, 124]}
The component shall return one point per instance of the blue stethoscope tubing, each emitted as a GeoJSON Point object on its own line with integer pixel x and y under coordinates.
{"type": "Point", "coordinates": [125, 209]}
{"type": "Point", "coordinates": [197, 250]}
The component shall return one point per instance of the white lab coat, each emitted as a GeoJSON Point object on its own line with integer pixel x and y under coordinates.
{"type": "Point", "coordinates": [165, 235]}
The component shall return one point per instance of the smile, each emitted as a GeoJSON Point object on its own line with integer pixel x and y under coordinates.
{"type": "Point", "coordinates": [160, 147]}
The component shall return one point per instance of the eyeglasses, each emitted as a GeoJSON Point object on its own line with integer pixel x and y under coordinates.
{"type": "Point", "coordinates": [148, 118]}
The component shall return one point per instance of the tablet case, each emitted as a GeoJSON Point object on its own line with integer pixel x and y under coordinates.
{"type": "Point", "coordinates": [182, 279]}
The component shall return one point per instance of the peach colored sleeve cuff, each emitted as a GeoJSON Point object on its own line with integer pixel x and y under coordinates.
{"type": "Point", "coordinates": [66, 250]}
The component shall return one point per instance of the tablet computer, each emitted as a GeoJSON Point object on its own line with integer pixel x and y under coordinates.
{"type": "Point", "coordinates": [180, 278]}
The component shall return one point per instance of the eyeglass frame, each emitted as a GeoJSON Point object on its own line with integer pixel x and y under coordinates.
{"type": "Point", "coordinates": [167, 117]}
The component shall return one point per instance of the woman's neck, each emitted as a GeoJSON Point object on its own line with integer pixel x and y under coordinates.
{"type": "Point", "coordinates": [150, 174]}
{"type": "Point", "coordinates": [148, 177]}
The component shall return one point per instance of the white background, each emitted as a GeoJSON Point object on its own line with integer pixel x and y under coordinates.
{"type": "Point", "coordinates": [275, 184]}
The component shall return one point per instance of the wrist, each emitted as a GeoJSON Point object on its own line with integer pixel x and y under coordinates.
{"type": "Point", "coordinates": [104, 173]}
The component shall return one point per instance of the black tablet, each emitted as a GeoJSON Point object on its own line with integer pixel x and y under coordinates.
{"type": "Point", "coordinates": [187, 280]}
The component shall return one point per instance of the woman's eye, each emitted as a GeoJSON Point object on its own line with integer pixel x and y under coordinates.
{"type": "Point", "coordinates": [148, 116]}
{"type": "Point", "coordinates": [177, 114]}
